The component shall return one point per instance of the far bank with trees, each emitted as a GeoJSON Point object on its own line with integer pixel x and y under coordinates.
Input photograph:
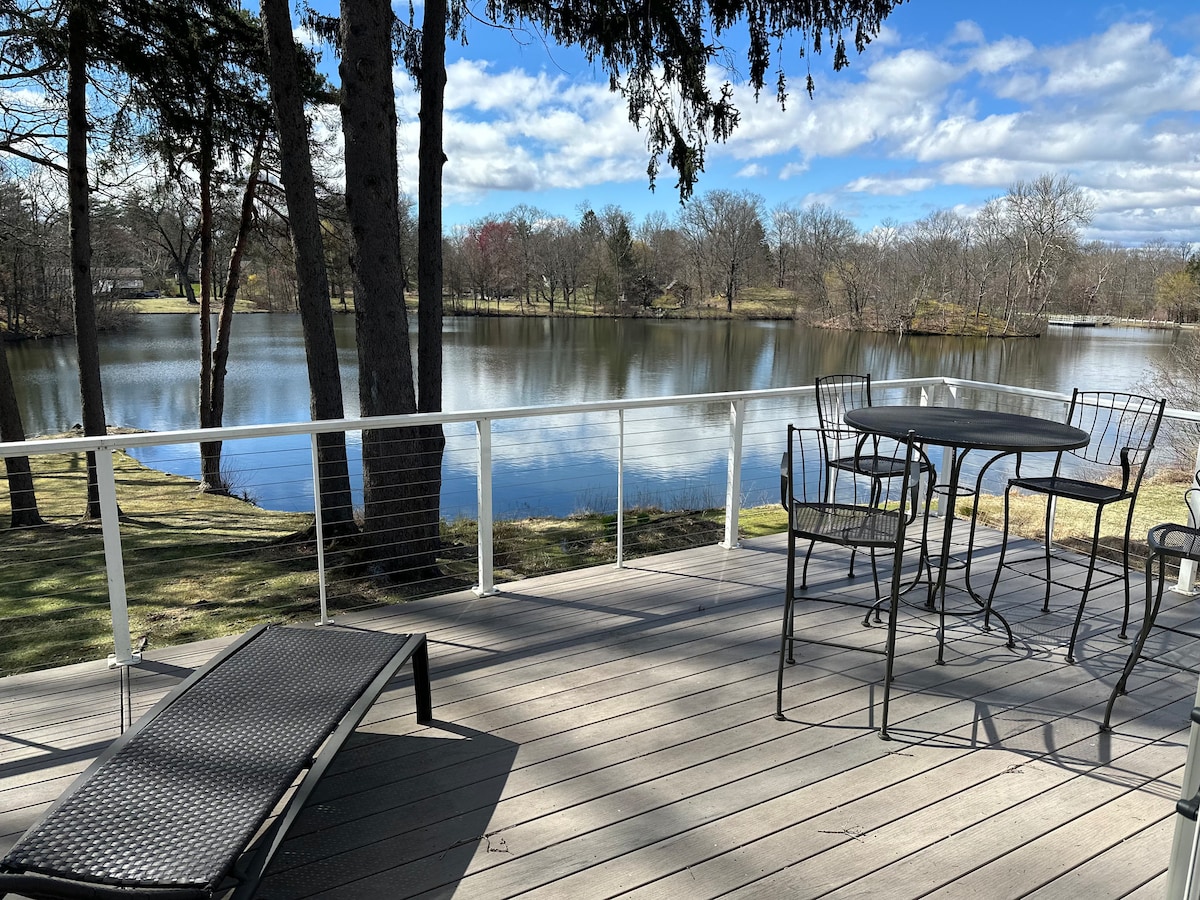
{"type": "Point", "coordinates": [1000, 271]}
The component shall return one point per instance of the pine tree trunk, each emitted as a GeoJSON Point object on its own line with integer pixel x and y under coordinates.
{"type": "Point", "coordinates": [400, 506]}
{"type": "Point", "coordinates": [210, 459]}
{"type": "Point", "coordinates": [431, 157]}
{"type": "Point", "coordinates": [312, 282]}
{"type": "Point", "coordinates": [86, 338]}
{"type": "Point", "coordinates": [22, 499]}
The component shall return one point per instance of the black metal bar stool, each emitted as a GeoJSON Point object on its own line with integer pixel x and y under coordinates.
{"type": "Point", "coordinates": [1167, 542]}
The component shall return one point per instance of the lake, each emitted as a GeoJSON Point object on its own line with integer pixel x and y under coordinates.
{"type": "Point", "coordinates": [150, 382]}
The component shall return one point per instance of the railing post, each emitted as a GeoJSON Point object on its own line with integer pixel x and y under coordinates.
{"type": "Point", "coordinates": [733, 493]}
{"type": "Point", "coordinates": [620, 488]}
{"type": "Point", "coordinates": [114, 561]}
{"type": "Point", "coordinates": [1179, 864]}
{"type": "Point", "coordinates": [1187, 568]}
{"type": "Point", "coordinates": [319, 524]}
{"type": "Point", "coordinates": [483, 514]}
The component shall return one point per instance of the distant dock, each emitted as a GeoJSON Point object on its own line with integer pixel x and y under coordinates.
{"type": "Point", "coordinates": [1070, 321]}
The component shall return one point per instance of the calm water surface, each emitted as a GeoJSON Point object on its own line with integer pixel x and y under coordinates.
{"type": "Point", "coordinates": [150, 382]}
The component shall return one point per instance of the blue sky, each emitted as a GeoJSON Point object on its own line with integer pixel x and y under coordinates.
{"type": "Point", "coordinates": [948, 107]}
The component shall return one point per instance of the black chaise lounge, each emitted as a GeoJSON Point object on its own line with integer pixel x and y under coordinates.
{"type": "Point", "coordinates": [170, 809]}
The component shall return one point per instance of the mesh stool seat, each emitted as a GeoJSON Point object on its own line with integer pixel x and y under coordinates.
{"type": "Point", "coordinates": [1167, 542]}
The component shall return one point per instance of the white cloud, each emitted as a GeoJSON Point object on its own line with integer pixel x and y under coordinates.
{"type": "Point", "coordinates": [912, 72]}
{"type": "Point", "coordinates": [793, 169]}
{"type": "Point", "coordinates": [24, 98]}
{"type": "Point", "coordinates": [1003, 54]}
{"type": "Point", "coordinates": [1114, 108]}
{"type": "Point", "coordinates": [1122, 57]}
{"type": "Point", "coordinates": [889, 186]}
{"type": "Point", "coordinates": [1117, 110]}
{"type": "Point", "coordinates": [511, 130]}
{"type": "Point", "coordinates": [306, 37]}
{"type": "Point", "coordinates": [966, 32]}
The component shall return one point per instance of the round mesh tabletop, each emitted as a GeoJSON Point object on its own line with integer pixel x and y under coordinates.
{"type": "Point", "coordinates": [971, 429]}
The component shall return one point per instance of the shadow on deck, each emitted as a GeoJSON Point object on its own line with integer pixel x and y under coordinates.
{"type": "Point", "coordinates": [609, 732]}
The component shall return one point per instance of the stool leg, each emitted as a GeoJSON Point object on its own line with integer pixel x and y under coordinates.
{"type": "Point", "coordinates": [1087, 586]}
{"type": "Point", "coordinates": [987, 609]}
{"type": "Point", "coordinates": [1147, 622]}
{"type": "Point", "coordinates": [1049, 524]}
{"type": "Point", "coordinates": [1125, 569]}
{"type": "Point", "coordinates": [787, 628]}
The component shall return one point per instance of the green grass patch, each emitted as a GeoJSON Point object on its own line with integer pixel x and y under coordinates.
{"type": "Point", "coordinates": [196, 565]}
{"type": "Point", "coordinates": [1159, 500]}
{"type": "Point", "coordinates": [200, 565]}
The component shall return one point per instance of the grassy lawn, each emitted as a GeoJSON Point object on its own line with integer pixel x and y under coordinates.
{"type": "Point", "coordinates": [201, 565]}
{"type": "Point", "coordinates": [180, 305]}
{"type": "Point", "coordinates": [196, 565]}
{"type": "Point", "coordinates": [932, 317]}
{"type": "Point", "coordinates": [1159, 500]}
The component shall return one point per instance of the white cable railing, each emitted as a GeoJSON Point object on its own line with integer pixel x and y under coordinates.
{"type": "Point", "coordinates": [759, 408]}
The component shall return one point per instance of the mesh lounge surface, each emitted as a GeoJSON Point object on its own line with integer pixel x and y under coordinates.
{"type": "Point", "coordinates": [172, 804]}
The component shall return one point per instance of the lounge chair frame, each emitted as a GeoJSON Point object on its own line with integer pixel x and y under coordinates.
{"type": "Point", "coordinates": [92, 842]}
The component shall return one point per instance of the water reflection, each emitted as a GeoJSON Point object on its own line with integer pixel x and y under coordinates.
{"type": "Point", "coordinates": [150, 382]}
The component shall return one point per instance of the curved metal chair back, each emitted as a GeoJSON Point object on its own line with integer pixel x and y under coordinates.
{"type": "Point", "coordinates": [1123, 427]}
{"type": "Point", "coordinates": [836, 394]}
{"type": "Point", "coordinates": [843, 446]}
{"type": "Point", "coordinates": [878, 473]}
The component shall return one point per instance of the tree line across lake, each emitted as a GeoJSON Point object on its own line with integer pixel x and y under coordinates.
{"type": "Point", "coordinates": [1000, 270]}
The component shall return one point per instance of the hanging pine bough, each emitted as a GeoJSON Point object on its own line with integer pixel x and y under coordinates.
{"type": "Point", "coordinates": [657, 55]}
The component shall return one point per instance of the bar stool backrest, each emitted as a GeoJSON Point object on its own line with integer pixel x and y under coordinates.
{"type": "Point", "coordinates": [1192, 498]}
{"type": "Point", "coordinates": [1123, 429]}
{"type": "Point", "coordinates": [838, 394]}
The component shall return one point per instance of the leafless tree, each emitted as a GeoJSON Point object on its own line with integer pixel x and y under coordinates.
{"type": "Point", "coordinates": [1045, 215]}
{"type": "Point", "coordinates": [824, 237]}
{"type": "Point", "coordinates": [726, 233]}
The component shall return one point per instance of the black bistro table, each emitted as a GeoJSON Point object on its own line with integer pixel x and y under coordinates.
{"type": "Point", "coordinates": [961, 431]}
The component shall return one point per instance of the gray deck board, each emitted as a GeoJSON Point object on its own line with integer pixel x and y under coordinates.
{"type": "Point", "coordinates": [609, 732]}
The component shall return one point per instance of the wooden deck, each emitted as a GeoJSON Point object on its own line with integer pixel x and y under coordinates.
{"type": "Point", "coordinates": [610, 733]}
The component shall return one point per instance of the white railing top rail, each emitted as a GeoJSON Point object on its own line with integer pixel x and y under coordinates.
{"type": "Point", "coordinates": [126, 440]}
